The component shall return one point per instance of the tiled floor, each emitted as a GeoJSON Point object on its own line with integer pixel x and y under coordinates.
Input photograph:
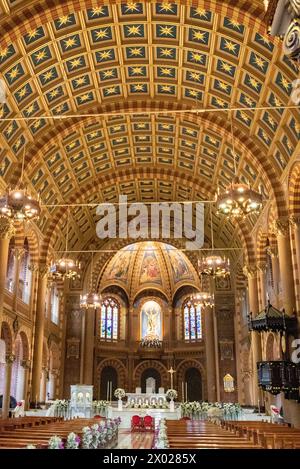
{"type": "Point", "coordinates": [135, 440]}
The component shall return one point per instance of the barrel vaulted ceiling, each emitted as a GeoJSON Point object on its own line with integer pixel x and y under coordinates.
{"type": "Point", "coordinates": [68, 58]}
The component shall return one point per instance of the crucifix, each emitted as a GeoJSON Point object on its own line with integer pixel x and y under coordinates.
{"type": "Point", "coordinates": [171, 371]}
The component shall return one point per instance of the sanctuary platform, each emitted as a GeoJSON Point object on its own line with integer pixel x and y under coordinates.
{"type": "Point", "coordinates": [127, 414]}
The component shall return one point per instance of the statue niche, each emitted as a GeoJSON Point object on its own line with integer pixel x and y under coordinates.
{"type": "Point", "coordinates": [151, 320]}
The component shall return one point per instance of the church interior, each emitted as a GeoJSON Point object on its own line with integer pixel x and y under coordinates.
{"type": "Point", "coordinates": [182, 108]}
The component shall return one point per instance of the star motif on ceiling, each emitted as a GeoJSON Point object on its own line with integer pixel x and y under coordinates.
{"type": "Point", "coordinates": [235, 24]}
{"type": "Point", "coordinates": [226, 67]}
{"type": "Point", "coordinates": [70, 42]}
{"type": "Point", "coordinates": [199, 35]}
{"type": "Point", "coordinates": [166, 6]}
{"type": "Point", "coordinates": [33, 34]}
{"type": "Point", "coordinates": [194, 93]}
{"type": "Point", "coordinates": [166, 71]}
{"type": "Point", "coordinates": [254, 83]}
{"type": "Point", "coordinates": [259, 62]}
{"type": "Point", "coordinates": [28, 111]}
{"type": "Point", "coordinates": [138, 87]}
{"type": "Point", "coordinates": [102, 34]}
{"type": "Point", "coordinates": [80, 81]}
{"type": "Point", "coordinates": [97, 11]}
{"type": "Point", "coordinates": [64, 20]}
{"type": "Point", "coordinates": [244, 117]}
{"type": "Point", "coordinates": [106, 54]}
{"type": "Point", "coordinates": [48, 75]}
{"type": "Point", "coordinates": [137, 71]}
{"type": "Point", "coordinates": [76, 63]}
{"type": "Point", "coordinates": [14, 73]}
{"type": "Point", "coordinates": [41, 55]}
{"type": "Point", "coordinates": [166, 52]}
{"type": "Point", "coordinates": [230, 46]}
{"type": "Point", "coordinates": [201, 12]}
{"type": "Point", "coordinates": [249, 102]}
{"type": "Point", "coordinates": [197, 57]}
{"type": "Point", "coordinates": [54, 93]}
{"type": "Point", "coordinates": [141, 125]}
{"type": "Point", "coordinates": [134, 30]}
{"type": "Point", "coordinates": [195, 76]}
{"type": "Point", "coordinates": [131, 6]}
{"type": "Point", "coordinates": [136, 51]}
{"type": "Point", "coordinates": [22, 93]}
{"type": "Point", "coordinates": [166, 31]}
{"type": "Point", "coordinates": [109, 73]}
{"type": "Point", "coordinates": [286, 85]}
{"type": "Point", "coordinates": [4, 52]}
{"type": "Point", "coordinates": [111, 90]}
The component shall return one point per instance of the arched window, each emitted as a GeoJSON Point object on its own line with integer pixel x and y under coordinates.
{"type": "Point", "coordinates": [25, 275]}
{"type": "Point", "coordinates": [109, 320]}
{"type": "Point", "coordinates": [17, 379]}
{"type": "Point", "coordinates": [54, 299]}
{"type": "Point", "coordinates": [192, 321]}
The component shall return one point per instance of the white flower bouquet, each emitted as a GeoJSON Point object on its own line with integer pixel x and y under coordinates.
{"type": "Point", "coordinates": [120, 393]}
{"type": "Point", "coordinates": [55, 442]}
{"type": "Point", "coordinates": [73, 441]}
{"type": "Point", "coordinates": [171, 394]}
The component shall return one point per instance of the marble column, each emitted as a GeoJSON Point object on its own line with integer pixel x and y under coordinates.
{"type": "Point", "coordinates": [18, 254]}
{"type": "Point", "coordinates": [89, 346]}
{"type": "Point", "coordinates": [210, 355]}
{"type": "Point", "coordinates": [7, 231]}
{"type": "Point", "coordinates": [295, 226]}
{"type": "Point", "coordinates": [282, 232]}
{"type": "Point", "coordinates": [251, 272]}
{"type": "Point", "coordinates": [39, 333]}
{"type": "Point", "coordinates": [262, 278]}
{"type": "Point", "coordinates": [26, 395]}
{"type": "Point", "coordinates": [6, 396]}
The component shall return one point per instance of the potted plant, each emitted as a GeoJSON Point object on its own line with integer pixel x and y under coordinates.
{"type": "Point", "coordinates": [120, 394]}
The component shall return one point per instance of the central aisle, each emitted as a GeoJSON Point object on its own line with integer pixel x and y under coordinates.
{"type": "Point", "coordinates": [135, 440]}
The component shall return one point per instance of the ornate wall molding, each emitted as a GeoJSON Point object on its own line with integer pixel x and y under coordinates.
{"type": "Point", "coordinates": [281, 227]}
{"type": "Point", "coordinates": [250, 271]}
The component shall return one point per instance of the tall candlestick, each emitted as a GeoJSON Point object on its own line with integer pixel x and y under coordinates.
{"type": "Point", "coordinates": [107, 391]}
{"type": "Point", "coordinates": [258, 406]}
{"type": "Point", "coordinates": [182, 391]}
{"type": "Point", "coordinates": [111, 391]}
{"type": "Point", "coordinates": [186, 393]}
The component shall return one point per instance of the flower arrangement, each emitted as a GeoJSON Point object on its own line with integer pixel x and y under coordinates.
{"type": "Point", "coordinates": [120, 393]}
{"type": "Point", "coordinates": [162, 441]}
{"type": "Point", "coordinates": [61, 404]}
{"type": "Point", "coordinates": [55, 442]}
{"type": "Point", "coordinates": [171, 394]}
{"type": "Point", "coordinates": [73, 441]}
{"type": "Point", "coordinates": [30, 447]}
{"type": "Point", "coordinates": [87, 438]}
{"type": "Point", "coordinates": [210, 409]}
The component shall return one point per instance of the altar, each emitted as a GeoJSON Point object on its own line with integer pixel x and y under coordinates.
{"type": "Point", "coordinates": [149, 398]}
{"type": "Point", "coordinates": [126, 415]}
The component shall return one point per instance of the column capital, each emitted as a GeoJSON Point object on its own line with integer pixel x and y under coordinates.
{"type": "Point", "coordinates": [281, 227]}
{"type": "Point", "coordinates": [41, 270]}
{"type": "Point", "coordinates": [7, 229]}
{"type": "Point", "coordinates": [250, 270]}
{"type": "Point", "coordinates": [10, 358]}
{"type": "Point", "coordinates": [262, 267]}
{"type": "Point", "coordinates": [272, 251]}
{"type": "Point", "coordinates": [26, 364]}
{"type": "Point", "coordinates": [18, 253]}
{"type": "Point", "coordinates": [295, 221]}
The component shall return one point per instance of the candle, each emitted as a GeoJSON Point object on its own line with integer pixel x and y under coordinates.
{"type": "Point", "coordinates": [186, 392]}
{"type": "Point", "coordinates": [182, 391]}
{"type": "Point", "coordinates": [258, 406]}
{"type": "Point", "coordinates": [110, 391]}
{"type": "Point", "coordinates": [107, 392]}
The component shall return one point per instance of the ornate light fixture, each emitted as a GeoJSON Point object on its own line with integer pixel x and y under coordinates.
{"type": "Point", "coordinates": [65, 267]}
{"type": "Point", "coordinates": [203, 299]}
{"type": "Point", "coordinates": [17, 203]}
{"type": "Point", "coordinates": [214, 266]}
{"type": "Point", "coordinates": [90, 300]}
{"type": "Point", "coordinates": [238, 200]}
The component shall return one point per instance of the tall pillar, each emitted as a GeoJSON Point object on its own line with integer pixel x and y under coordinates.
{"type": "Point", "coordinates": [39, 333]}
{"type": "Point", "coordinates": [26, 365]}
{"type": "Point", "coordinates": [6, 396]}
{"type": "Point", "coordinates": [282, 232]}
{"type": "Point", "coordinates": [251, 272]}
{"type": "Point", "coordinates": [273, 252]}
{"type": "Point", "coordinates": [18, 254]}
{"type": "Point", "coordinates": [295, 225]}
{"type": "Point", "coordinates": [6, 232]}
{"type": "Point", "coordinates": [89, 346]}
{"type": "Point", "coordinates": [210, 356]}
{"type": "Point", "coordinates": [262, 273]}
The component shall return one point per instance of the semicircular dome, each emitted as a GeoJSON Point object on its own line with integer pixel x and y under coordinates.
{"type": "Point", "coordinates": [149, 265]}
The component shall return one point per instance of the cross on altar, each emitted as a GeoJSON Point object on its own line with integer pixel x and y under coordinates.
{"type": "Point", "coordinates": [171, 371]}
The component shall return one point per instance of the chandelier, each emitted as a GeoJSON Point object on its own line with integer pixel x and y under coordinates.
{"type": "Point", "coordinates": [238, 200]}
{"type": "Point", "coordinates": [17, 204]}
{"type": "Point", "coordinates": [214, 266]}
{"type": "Point", "coordinates": [65, 267]}
{"type": "Point", "coordinates": [90, 300]}
{"type": "Point", "coordinates": [203, 299]}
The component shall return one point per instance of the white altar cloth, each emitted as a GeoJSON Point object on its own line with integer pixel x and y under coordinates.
{"type": "Point", "coordinates": [145, 398]}
{"type": "Point", "coordinates": [157, 414]}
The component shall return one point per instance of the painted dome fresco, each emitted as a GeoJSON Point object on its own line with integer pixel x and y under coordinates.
{"type": "Point", "coordinates": [149, 264]}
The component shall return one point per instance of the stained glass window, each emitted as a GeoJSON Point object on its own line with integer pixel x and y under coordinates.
{"type": "Point", "coordinates": [109, 319]}
{"type": "Point", "coordinates": [192, 321]}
